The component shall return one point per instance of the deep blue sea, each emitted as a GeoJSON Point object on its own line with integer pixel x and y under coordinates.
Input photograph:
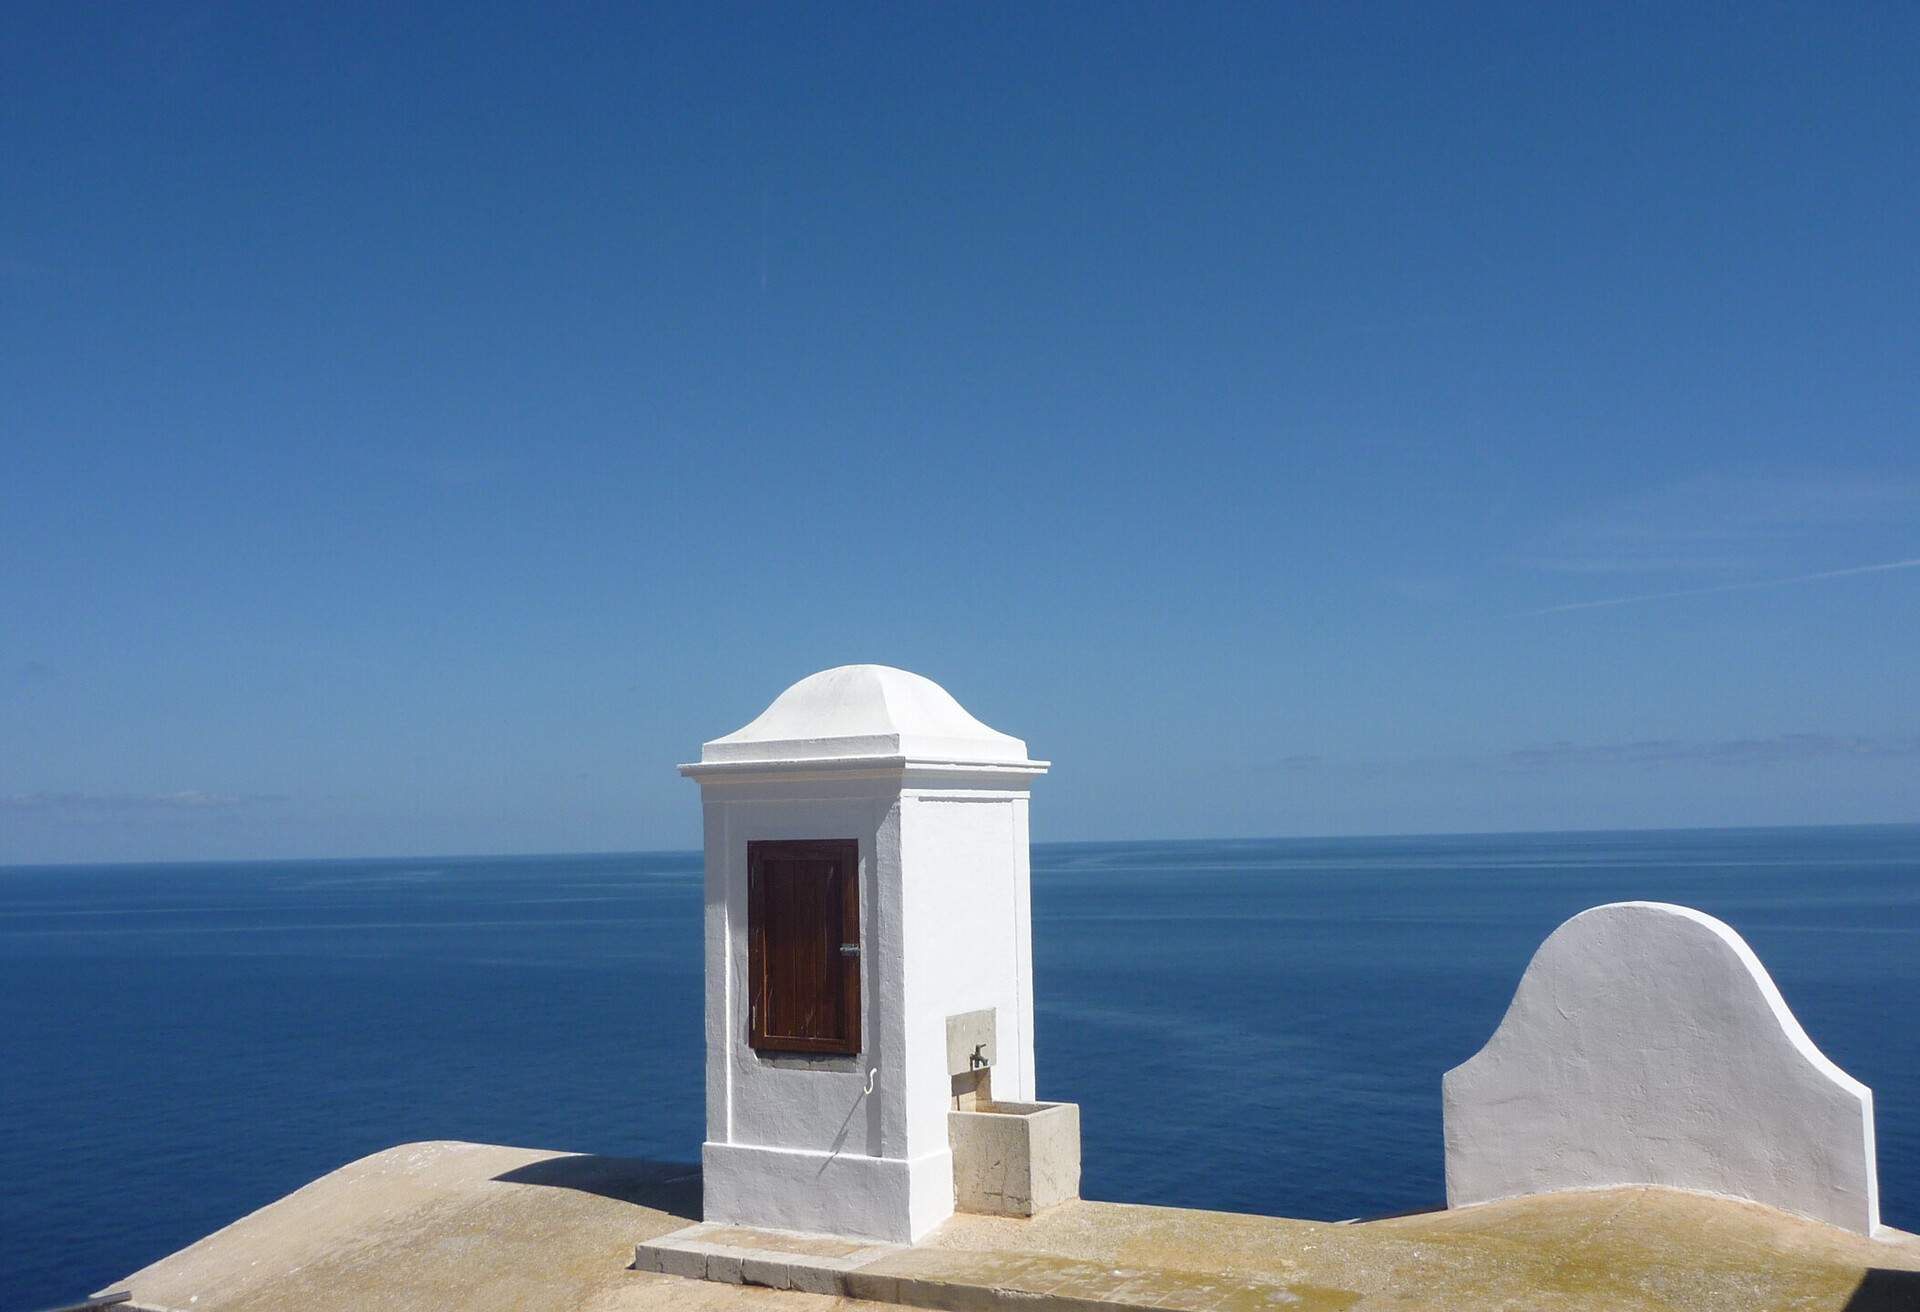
{"type": "Point", "coordinates": [1250, 1025]}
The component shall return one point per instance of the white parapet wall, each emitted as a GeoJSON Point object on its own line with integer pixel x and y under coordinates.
{"type": "Point", "coordinates": [1646, 1044]}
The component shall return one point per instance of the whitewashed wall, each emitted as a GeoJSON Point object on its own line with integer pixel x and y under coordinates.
{"type": "Point", "coordinates": [938, 803]}
{"type": "Point", "coordinates": [1646, 1044]}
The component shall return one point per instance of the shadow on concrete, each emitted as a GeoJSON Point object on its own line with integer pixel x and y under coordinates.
{"type": "Point", "coordinates": [1428, 1210]}
{"type": "Point", "coordinates": [1883, 1290]}
{"type": "Point", "coordinates": [670, 1187]}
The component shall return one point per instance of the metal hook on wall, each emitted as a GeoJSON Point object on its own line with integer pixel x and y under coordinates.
{"type": "Point", "coordinates": [871, 1073]}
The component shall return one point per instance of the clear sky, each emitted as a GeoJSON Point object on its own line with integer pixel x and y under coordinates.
{"type": "Point", "coordinates": [421, 427]}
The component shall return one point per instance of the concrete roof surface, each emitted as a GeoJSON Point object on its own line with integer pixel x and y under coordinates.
{"type": "Point", "coordinates": [479, 1227]}
{"type": "Point", "coordinates": [443, 1225]}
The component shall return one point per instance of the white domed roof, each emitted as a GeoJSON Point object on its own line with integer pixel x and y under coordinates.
{"type": "Point", "coordinates": [862, 711]}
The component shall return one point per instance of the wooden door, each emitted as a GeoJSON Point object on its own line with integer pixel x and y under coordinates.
{"type": "Point", "coordinates": [803, 945]}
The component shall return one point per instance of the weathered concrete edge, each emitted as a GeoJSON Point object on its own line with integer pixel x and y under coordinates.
{"type": "Point", "coordinates": [502, 1157]}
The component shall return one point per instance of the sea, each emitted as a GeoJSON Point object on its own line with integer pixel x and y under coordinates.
{"type": "Point", "coordinates": [1248, 1025]}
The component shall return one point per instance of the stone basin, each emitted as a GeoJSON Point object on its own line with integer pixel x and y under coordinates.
{"type": "Point", "coordinates": [1014, 1158]}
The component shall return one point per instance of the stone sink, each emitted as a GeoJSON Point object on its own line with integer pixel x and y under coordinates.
{"type": "Point", "coordinates": [1014, 1158]}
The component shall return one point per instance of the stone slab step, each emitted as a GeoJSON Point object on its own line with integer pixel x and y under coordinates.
{"type": "Point", "coordinates": [778, 1259]}
{"type": "Point", "coordinates": [952, 1280]}
{"type": "Point", "coordinates": [955, 1281]}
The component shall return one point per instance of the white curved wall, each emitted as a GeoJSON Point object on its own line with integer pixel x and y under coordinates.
{"type": "Point", "coordinates": [1646, 1044]}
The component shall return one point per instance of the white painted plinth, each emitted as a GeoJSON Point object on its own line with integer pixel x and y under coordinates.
{"type": "Point", "coordinates": [834, 1193]}
{"type": "Point", "coordinates": [1646, 1044]}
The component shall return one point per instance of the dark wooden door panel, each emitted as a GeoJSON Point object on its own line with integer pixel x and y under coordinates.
{"type": "Point", "coordinates": [803, 907]}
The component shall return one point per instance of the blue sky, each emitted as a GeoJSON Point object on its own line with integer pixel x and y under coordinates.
{"type": "Point", "coordinates": [421, 427]}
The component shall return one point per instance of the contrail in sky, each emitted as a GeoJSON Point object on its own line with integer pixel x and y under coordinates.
{"type": "Point", "coordinates": [1729, 587]}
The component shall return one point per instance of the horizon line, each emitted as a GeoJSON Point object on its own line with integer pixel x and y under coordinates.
{"type": "Point", "coordinates": [1051, 842]}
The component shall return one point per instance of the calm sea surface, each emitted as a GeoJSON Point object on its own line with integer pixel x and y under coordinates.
{"type": "Point", "coordinates": [1257, 1026]}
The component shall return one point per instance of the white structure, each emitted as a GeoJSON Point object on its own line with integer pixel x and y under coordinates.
{"type": "Point", "coordinates": [866, 879]}
{"type": "Point", "coordinates": [1646, 1044]}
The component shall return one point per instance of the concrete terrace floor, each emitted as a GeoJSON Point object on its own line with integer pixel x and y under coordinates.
{"type": "Point", "coordinates": [481, 1228]}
